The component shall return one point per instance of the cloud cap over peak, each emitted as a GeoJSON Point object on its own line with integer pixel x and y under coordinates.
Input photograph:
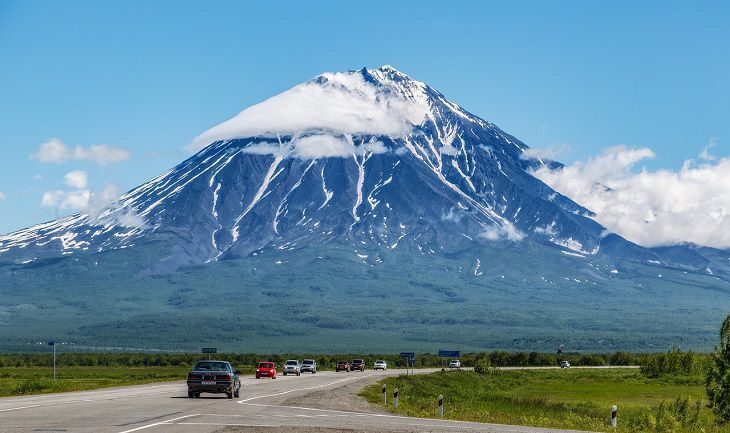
{"type": "Point", "coordinates": [342, 102]}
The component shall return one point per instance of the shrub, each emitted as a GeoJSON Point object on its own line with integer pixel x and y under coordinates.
{"type": "Point", "coordinates": [482, 366]}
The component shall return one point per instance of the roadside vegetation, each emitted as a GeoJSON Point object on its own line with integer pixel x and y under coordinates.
{"type": "Point", "coordinates": [39, 380]}
{"type": "Point", "coordinates": [671, 392]}
{"type": "Point", "coordinates": [24, 374]}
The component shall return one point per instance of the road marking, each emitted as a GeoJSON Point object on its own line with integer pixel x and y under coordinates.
{"type": "Point", "coordinates": [245, 401]}
{"type": "Point", "coordinates": [158, 423]}
{"type": "Point", "coordinates": [225, 424]}
{"type": "Point", "coordinates": [21, 407]}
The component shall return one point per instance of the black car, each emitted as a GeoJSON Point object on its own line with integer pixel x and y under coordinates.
{"type": "Point", "coordinates": [216, 377]}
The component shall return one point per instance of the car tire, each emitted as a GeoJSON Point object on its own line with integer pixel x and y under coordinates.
{"type": "Point", "coordinates": [196, 395]}
{"type": "Point", "coordinates": [191, 394]}
{"type": "Point", "coordinates": [284, 374]}
{"type": "Point", "coordinates": [298, 374]}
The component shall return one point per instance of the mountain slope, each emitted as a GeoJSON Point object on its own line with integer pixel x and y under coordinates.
{"type": "Point", "coordinates": [369, 193]}
{"type": "Point", "coordinates": [450, 178]}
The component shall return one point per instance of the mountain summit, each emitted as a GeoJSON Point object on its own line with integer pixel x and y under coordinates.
{"type": "Point", "coordinates": [369, 157]}
{"type": "Point", "coordinates": [358, 211]}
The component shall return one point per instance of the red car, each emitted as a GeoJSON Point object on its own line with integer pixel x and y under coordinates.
{"type": "Point", "coordinates": [266, 369]}
{"type": "Point", "coordinates": [342, 365]}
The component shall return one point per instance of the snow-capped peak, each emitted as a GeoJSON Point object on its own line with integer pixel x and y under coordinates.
{"type": "Point", "coordinates": [379, 101]}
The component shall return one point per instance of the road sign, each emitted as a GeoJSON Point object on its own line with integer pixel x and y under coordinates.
{"type": "Point", "coordinates": [409, 355]}
{"type": "Point", "coordinates": [51, 343]}
{"type": "Point", "coordinates": [449, 353]}
{"type": "Point", "coordinates": [210, 350]}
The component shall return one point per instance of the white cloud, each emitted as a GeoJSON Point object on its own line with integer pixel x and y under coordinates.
{"type": "Point", "coordinates": [3, 196]}
{"type": "Point", "coordinates": [100, 206]}
{"type": "Point", "coordinates": [504, 232]}
{"type": "Point", "coordinates": [56, 151]}
{"type": "Point", "coordinates": [448, 149]}
{"type": "Point", "coordinates": [104, 207]}
{"type": "Point", "coordinates": [76, 179]}
{"type": "Point", "coordinates": [550, 153]}
{"type": "Point", "coordinates": [316, 146]}
{"type": "Point", "coordinates": [651, 208]}
{"type": "Point", "coordinates": [344, 102]}
{"type": "Point", "coordinates": [66, 200]}
{"type": "Point", "coordinates": [705, 155]}
{"type": "Point", "coordinates": [323, 146]}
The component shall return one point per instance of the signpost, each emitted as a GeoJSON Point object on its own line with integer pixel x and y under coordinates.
{"type": "Point", "coordinates": [209, 351]}
{"type": "Point", "coordinates": [448, 354]}
{"type": "Point", "coordinates": [53, 343]}
{"type": "Point", "coordinates": [410, 358]}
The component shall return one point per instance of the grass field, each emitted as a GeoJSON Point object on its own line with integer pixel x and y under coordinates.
{"type": "Point", "coordinates": [37, 380]}
{"type": "Point", "coordinates": [572, 398]}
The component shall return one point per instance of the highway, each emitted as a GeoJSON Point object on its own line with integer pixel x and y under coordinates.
{"type": "Point", "coordinates": [321, 403]}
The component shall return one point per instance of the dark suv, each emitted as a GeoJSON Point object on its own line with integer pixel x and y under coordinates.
{"type": "Point", "coordinates": [357, 364]}
{"type": "Point", "coordinates": [216, 377]}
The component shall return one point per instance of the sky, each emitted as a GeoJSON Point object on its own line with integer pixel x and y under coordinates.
{"type": "Point", "coordinates": [98, 97]}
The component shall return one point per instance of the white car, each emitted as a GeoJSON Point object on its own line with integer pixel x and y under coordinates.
{"type": "Point", "coordinates": [380, 365]}
{"type": "Point", "coordinates": [455, 364]}
{"type": "Point", "coordinates": [564, 364]}
{"type": "Point", "coordinates": [309, 365]}
{"type": "Point", "coordinates": [292, 366]}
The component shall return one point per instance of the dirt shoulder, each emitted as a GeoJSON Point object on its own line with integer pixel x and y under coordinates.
{"type": "Point", "coordinates": [343, 398]}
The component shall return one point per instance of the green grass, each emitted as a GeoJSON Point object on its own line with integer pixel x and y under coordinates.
{"type": "Point", "coordinates": [39, 380]}
{"type": "Point", "coordinates": [573, 399]}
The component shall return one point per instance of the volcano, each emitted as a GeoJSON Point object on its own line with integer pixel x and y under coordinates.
{"type": "Point", "coordinates": [354, 198]}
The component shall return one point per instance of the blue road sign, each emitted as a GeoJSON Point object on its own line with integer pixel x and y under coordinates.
{"type": "Point", "coordinates": [409, 355]}
{"type": "Point", "coordinates": [51, 343]}
{"type": "Point", "coordinates": [449, 353]}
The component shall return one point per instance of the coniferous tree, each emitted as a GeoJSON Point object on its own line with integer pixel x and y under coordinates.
{"type": "Point", "coordinates": [718, 379]}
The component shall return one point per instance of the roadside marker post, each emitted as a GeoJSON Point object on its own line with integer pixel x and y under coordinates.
{"type": "Point", "coordinates": [441, 406]}
{"type": "Point", "coordinates": [385, 395]}
{"type": "Point", "coordinates": [614, 411]}
{"type": "Point", "coordinates": [395, 399]}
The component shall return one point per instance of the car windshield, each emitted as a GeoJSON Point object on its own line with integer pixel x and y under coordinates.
{"type": "Point", "coordinates": [380, 362]}
{"type": "Point", "coordinates": [211, 366]}
{"type": "Point", "coordinates": [308, 361]}
{"type": "Point", "coordinates": [342, 362]}
{"type": "Point", "coordinates": [266, 364]}
{"type": "Point", "coordinates": [359, 361]}
{"type": "Point", "coordinates": [292, 362]}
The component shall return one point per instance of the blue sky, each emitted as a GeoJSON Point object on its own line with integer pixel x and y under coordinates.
{"type": "Point", "coordinates": [574, 76]}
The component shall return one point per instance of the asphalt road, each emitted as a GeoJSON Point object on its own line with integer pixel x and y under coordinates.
{"type": "Point", "coordinates": [262, 407]}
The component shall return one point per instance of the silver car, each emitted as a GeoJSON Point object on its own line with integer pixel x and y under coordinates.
{"type": "Point", "coordinates": [292, 366]}
{"type": "Point", "coordinates": [380, 365]}
{"type": "Point", "coordinates": [309, 365]}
